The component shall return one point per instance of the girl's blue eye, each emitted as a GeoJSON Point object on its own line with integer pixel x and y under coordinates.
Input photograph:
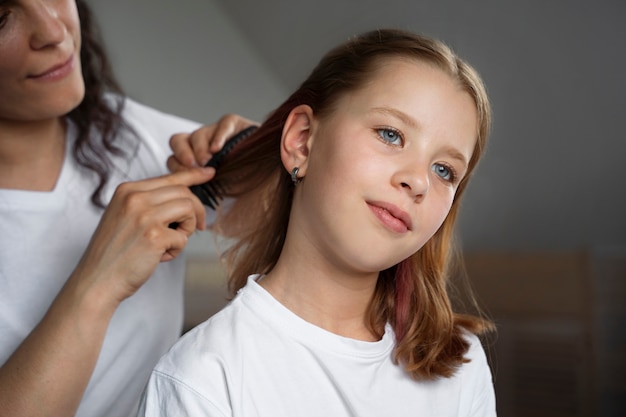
{"type": "Point", "coordinates": [391, 136]}
{"type": "Point", "coordinates": [444, 172]}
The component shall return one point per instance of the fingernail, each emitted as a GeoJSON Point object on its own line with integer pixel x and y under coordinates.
{"type": "Point", "coordinates": [190, 162]}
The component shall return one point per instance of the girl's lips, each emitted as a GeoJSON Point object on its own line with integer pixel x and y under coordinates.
{"type": "Point", "coordinates": [56, 72]}
{"type": "Point", "coordinates": [391, 216]}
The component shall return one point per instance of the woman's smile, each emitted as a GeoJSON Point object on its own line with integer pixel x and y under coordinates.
{"type": "Point", "coordinates": [56, 72]}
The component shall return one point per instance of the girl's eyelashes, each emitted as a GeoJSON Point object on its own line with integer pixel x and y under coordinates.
{"type": "Point", "coordinates": [390, 135]}
{"type": "Point", "coordinates": [446, 172]}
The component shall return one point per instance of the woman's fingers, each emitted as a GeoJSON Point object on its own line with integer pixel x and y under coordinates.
{"type": "Point", "coordinates": [184, 153]}
{"type": "Point", "coordinates": [197, 148]}
{"type": "Point", "coordinates": [174, 165]}
{"type": "Point", "coordinates": [133, 235]}
{"type": "Point", "coordinates": [225, 128]}
{"type": "Point", "coordinates": [187, 178]}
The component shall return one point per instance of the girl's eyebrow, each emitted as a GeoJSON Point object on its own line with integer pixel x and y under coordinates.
{"type": "Point", "coordinates": [403, 117]}
{"type": "Point", "coordinates": [456, 154]}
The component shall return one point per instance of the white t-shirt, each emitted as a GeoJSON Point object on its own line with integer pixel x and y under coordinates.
{"type": "Point", "coordinates": [257, 358]}
{"type": "Point", "coordinates": [42, 237]}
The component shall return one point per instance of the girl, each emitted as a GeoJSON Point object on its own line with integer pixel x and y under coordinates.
{"type": "Point", "coordinates": [79, 330]}
{"type": "Point", "coordinates": [345, 203]}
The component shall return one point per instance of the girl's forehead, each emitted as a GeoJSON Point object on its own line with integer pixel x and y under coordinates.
{"type": "Point", "coordinates": [383, 63]}
{"type": "Point", "coordinates": [404, 80]}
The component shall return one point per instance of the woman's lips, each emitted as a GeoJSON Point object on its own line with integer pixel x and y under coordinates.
{"type": "Point", "coordinates": [391, 216]}
{"type": "Point", "coordinates": [56, 72]}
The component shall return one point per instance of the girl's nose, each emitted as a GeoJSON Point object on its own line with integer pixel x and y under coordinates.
{"type": "Point", "coordinates": [415, 180]}
{"type": "Point", "coordinates": [47, 27]}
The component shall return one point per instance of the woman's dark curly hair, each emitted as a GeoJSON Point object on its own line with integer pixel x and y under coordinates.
{"type": "Point", "coordinates": [95, 113]}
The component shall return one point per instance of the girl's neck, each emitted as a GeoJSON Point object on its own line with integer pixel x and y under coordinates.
{"type": "Point", "coordinates": [31, 154]}
{"type": "Point", "coordinates": [321, 295]}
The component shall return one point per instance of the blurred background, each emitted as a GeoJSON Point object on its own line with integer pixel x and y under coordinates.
{"type": "Point", "coordinates": [543, 227]}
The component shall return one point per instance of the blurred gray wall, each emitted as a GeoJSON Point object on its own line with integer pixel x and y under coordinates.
{"type": "Point", "coordinates": [186, 58]}
{"type": "Point", "coordinates": [553, 174]}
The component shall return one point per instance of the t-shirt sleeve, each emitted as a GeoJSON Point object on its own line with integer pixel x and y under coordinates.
{"type": "Point", "coordinates": [484, 402]}
{"type": "Point", "coordinates": [156, 124]}
{"type": "Point", "coordinates": [166, 396]}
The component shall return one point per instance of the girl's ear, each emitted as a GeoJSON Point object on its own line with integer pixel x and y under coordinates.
{"type": "Point", "coordinates": [297, 139]}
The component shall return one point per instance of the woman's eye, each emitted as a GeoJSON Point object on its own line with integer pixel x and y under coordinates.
{"type": "Point", "coordinates": [444, 172]}
{"type": "Point", "coordinates": [391, 136]}
{"type": "Point", "coordinates": [3, 19]}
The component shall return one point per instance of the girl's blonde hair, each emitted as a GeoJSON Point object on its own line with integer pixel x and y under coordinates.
{"type": "Point", "coordinates": [413, 295]}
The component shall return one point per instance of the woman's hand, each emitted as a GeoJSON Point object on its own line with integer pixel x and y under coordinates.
{"type": "Point", "coordinates": [196, 148]}
{"type": "Point", "coordinates": [47, 374]}
{"type": "Point", "coordinates": [134, 234]}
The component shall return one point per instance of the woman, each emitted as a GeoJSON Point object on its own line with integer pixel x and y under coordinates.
{"type": "Point", "coordinates": [81, 325]}
{"type": "Point", "coordinates": [344, 205]}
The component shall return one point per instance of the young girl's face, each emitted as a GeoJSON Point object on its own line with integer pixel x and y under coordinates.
{"type": "Point", "coordinates": [384, 167]}
{"type": "Point", "coordinates": [40, 74]}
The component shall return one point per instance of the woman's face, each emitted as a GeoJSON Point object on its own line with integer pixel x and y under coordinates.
{"type": "Point", "coordinates": [40, 74]}
{"type": "Point", "coordinates": [384, 167]}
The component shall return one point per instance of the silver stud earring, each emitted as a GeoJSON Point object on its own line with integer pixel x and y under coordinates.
{"type": "Point", "coordinates": [294, 175]}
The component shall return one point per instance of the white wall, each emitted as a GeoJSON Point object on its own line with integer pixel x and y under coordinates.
{"type": "Point", "coordinates": [186, 58]}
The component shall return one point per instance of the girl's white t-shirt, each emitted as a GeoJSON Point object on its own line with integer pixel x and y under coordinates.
{"type": "Point", "coordinates": [257, 358]}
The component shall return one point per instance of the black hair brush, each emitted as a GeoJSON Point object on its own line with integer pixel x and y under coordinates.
{"type": "Point", "coordinates": [211, 193]}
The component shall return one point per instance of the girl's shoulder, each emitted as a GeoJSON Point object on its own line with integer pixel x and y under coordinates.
{"type": "Point", "coordinates": [209, 342]}
{"type": "Point", "coordinates": [476, 351]}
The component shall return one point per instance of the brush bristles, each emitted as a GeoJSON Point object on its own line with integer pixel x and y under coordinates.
{"type": "Point", "coordinates": [210, 193]}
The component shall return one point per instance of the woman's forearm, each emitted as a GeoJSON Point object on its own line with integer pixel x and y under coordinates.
{"type": "Point", "coordinates": [48, 373]}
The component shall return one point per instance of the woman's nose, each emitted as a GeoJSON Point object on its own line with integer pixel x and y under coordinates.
{"type": "Point", "coordinates": [47, 27]}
